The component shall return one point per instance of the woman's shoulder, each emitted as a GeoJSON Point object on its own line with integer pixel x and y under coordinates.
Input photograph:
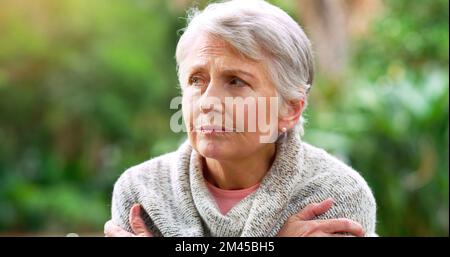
{"type": "Point", "coordinates": [139, 183]}
{"type": "Point", "coordinates": [154, 164]}
{"type": "Point", "coordinates": [321, 164]}
{"type": "Point", "coordinates": [152, 171]}
{"type": "Point", "coordinates": [330, 177]}
{"type": "Point", "coordinates": [327, 175]}
{"type": "Point", "coordinates": [142, 175]}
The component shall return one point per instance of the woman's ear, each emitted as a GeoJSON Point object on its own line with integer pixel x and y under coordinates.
{"type": "Point", "coordinates": [291, 114]}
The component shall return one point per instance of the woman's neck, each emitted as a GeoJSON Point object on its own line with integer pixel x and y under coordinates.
{"type": "Point", "coordinates": [239, 173]}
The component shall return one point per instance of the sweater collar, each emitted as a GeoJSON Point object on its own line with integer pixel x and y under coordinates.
{"type": "Point", "coordinates": [266, 203]}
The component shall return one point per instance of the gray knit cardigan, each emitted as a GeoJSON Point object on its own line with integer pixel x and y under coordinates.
{"type": "Point", "coordinates": [176, 200]}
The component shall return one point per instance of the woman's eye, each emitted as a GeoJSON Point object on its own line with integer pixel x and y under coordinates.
{"type": "Point", "coordinates": [196, 81]}
{"type": "Point", "coordinates": [237, 82]}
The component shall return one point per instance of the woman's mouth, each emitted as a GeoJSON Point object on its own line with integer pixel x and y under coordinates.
{"type": "Point", "coordinates": [213, 129]}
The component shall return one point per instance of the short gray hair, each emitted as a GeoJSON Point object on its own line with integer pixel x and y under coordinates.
{"type": "Point", "coordinates": [260, 31]}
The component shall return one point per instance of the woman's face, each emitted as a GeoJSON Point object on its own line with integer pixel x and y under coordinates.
{"type": "Point", "coordinates": [226, 100]}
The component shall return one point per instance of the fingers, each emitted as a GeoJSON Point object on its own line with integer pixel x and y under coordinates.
{"type": "Point", "coordinates": [334, 226]}
{"type": "Point", "coordinates": [315, 209]}
{"type": "Point", "coordinates": [323, 234]}
{"type": "Point", "coordinates": [137, 223]}
{"type": "Point", "coordinates": [112, 230]}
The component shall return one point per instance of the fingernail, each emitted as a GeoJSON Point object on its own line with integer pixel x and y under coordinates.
{"type": "Point", "coordinates": [136, 209]}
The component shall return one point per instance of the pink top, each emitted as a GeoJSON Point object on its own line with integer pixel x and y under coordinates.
{"type": "Point", "coordinates": [226, 199]}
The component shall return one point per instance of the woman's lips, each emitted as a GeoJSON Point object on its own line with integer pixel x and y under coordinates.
{"type": "Point", "coordinates": [213, 129]}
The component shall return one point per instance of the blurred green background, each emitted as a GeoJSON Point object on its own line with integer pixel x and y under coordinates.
{"type": "Point", "coordinates": [85, 88]}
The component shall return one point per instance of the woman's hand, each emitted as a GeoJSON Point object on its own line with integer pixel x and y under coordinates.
{"type": "Point", "coordinates": [136, 222]}
{"type": "Point", "coordinates": [303, 225]}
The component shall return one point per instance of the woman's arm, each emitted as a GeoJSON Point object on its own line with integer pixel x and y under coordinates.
{"type": "Point", "coordinates": [122, 202]}
{"type": "Point", "coordinates": [301, 224]}
{"type": "Point", "coordinates": [352, 197]}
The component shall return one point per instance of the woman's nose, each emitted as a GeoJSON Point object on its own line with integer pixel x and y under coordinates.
{"type": "Point", "coordinates": [206, 105]}
{"type": "Point", "coordinates": [210, 99]}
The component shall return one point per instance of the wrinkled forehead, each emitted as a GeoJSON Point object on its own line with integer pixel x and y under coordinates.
{"type": "Point", "coordinates": [209, 51]}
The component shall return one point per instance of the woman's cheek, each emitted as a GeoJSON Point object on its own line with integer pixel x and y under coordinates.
{"type": "Point", "coordinates": [187, 106]}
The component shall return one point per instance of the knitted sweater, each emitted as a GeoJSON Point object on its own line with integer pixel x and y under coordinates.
{"type": "Point", "coordinates": [176, 200]}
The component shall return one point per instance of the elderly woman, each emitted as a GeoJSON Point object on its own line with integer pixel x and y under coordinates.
{"type": "Point", "coordinates": [228, 182]}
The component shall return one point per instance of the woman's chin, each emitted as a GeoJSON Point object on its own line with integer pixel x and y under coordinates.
{"type": "Point", "coordinates": [211, 148]}
{"type": "Point", "coordinates": [208, 148]}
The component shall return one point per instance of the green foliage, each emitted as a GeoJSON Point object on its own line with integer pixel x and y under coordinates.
{"type": "Point", "coordinates": [388, 117]}
{"type": "Point", "coordinates": [85, 88]}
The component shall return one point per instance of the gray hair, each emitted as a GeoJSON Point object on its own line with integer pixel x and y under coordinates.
{"type": "Point", "coordinates": [260, 31]}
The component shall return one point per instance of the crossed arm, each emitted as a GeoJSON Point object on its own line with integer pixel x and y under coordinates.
{"type": "Point", "coordinates": [302, 224]}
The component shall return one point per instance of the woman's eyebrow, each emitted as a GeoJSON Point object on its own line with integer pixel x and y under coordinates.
{"type": "Point", "coordinates": [197, 67]}
{"type": "Point", "coordinates": [239, 71]}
